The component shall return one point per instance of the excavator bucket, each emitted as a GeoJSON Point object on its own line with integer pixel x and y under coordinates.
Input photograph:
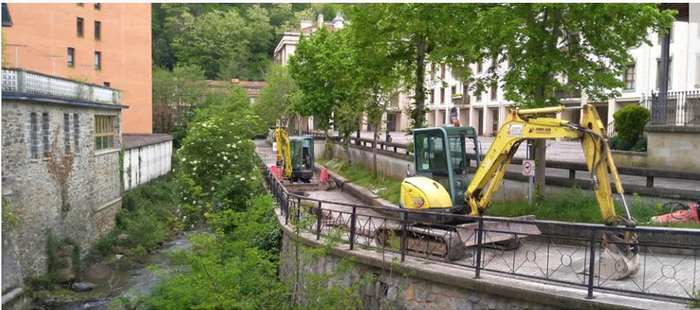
{"type": "Point", "coordinates": [618, 259]}
{"type": "Point", "coordinates": [498, 232]}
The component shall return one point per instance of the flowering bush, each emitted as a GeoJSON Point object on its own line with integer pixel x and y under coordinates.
{"type": "Point", "coordinates": [217, 165]}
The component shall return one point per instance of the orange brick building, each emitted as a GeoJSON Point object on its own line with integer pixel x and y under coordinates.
{"type": "Point", "coordinates": [104, 43]}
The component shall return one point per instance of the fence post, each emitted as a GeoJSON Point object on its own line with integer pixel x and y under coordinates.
{"type": "Point", "coordinates": [591, 266]}
{"type": "Point", "coordinates": [298, 209]}
{"type": "Point", "coordinates": [479, 235]}
{"type": "Point", "coordinates": [404, 235]}
{"type": "Point", "coordinates": [319, 215]}
{"type": "Point", "coordinates": [286, 207]}
{"type": "Point", "coordinates": [353, 218]}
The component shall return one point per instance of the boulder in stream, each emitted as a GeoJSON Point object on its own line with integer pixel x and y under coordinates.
{"type": "Point", "coordinates": [83, 286]}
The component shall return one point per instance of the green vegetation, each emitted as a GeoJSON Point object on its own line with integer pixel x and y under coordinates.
{"type": "Point", "coordinates": [150, 214]}
{"type": "Point", "coordinates": [629, 126]}
{"type": "Point", "coordinates": [9, 218]}
{"type": "Point", "coordinates": [386, 187]}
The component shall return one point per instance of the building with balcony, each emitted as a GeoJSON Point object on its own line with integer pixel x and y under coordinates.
{"type": "Point", "coordinates": [61, 143]}
{"type": "Point", "coordinates": [106, 44]}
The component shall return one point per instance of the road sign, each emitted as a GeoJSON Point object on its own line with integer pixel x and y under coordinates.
{"type": "Point", "coordinates": [529, 167]}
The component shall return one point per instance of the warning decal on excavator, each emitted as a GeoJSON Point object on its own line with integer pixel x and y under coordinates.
{"type": "Point", "coordinates": [514, 130]}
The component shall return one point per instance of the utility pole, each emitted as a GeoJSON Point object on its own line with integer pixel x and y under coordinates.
{"type": "Point", "coordinates": [16, 46]}
{"type": "Point", "coordinates": [53, 62]}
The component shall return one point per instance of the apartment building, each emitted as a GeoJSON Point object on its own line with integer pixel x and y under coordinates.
{"type": "Point", "coordinates": [106, 44]}
{"type": "Point", "coordinates": [486, 111]}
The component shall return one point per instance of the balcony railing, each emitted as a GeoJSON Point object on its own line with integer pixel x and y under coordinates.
{"type": "Point", "coordinates": [680, 108]}
{"type": "Point", "coordinates": [460, 99]}
{"type": "Point", "coordinates": [28, 82]}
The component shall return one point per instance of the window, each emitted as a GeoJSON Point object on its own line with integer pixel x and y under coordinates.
{"type": "Point", "coordinates": [479, 67]}
{"type": "Point", "coordinates": [66, 132]}
{"type": "Point", "coordinates": [104, 132]}
{"type": "Point", "coordinates": [79, 4]}
{"type": "Point", "coordinates": [658, 73]}
{"type": "Point", "coordinates": [79, 26]}
{"type": "Point", "coordinates": [442, 95]}
{"type": "Point", "coordinates": [98, 31]}
{"type": "Point", "coordinates": [478, 97]}
{"type": "Point", "coordinates": [71, 57]}
{"type": "Point", "coordinates": [454, 90]}
{"type": "Point", "coordinates": [494, 91]}
{"type": "Point", "coordinates": [697, 70]}
{"type": "Point", "coordinates": [442, 71]}
{"type": "Point", "coordinates": [629, 77]}
{"type": "Point", "coordinates": [465, 89]}
{"type": "Point", "coordinates": [106, 84]}
{"type": "Point", "coordinates": [6, 19]}
{"type": "Point", "coordinates": [45, 133]}
{"type": "Point", "coordinates": [98, 61]}
{"type": "Point", "coordinates": [76, 132]}
{"type": "Point", "coordinates": [97, 6]}
{"type": "Point", "coordinates": [33, 136]}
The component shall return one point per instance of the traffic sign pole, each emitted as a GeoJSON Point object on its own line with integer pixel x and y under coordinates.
{"type": "Point", "coordinates": [531, 181]}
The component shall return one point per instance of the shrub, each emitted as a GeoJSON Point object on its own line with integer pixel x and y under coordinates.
{"type": "Point", "coordinates": [630, 122]}
{"type": "Point", "coordinates": [617, 143]}
{"type": "Point", "coordinates": [641, 145]}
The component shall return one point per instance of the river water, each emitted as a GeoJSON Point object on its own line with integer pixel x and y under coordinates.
{"type": "Point", "coordinates": [115, 283]}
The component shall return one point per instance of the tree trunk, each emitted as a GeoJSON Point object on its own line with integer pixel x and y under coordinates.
{"type": "Point", "coordinates": [540, 165]}
{"type": "Point", "coordinates": [419, 112]}
{"type": "Point", "coordinates": [374, 146]}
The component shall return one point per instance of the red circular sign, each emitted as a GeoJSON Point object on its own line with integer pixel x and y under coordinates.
{"type": "Point", "coordinates": [527, 167]}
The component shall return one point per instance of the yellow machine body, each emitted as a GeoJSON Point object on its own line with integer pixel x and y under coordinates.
{"type": "Point", "coordinates": [421, 193]}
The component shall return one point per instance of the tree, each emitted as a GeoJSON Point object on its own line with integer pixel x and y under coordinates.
{"type": "Point", "coordinates": [276, 96]}
{"type": "Point", "coordinates": [553, 48]}
{"type": "Point", "coordinates": [374, 77]}
{"type": "Point", "coordinates": [322, 67]}
{"type": "Point", "coordinates": [209, 40]}
{"type": "Point", "coordinates": [175, 94]}
{"type": "Point", "coordinates": [415, 34]}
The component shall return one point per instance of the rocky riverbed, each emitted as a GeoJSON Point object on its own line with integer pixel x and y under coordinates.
{"type": "Point", "coordinates": [110, 283]}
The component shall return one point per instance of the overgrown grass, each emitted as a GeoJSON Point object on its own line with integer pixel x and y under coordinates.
{"type": "Point", "coordinates": [384, 186]}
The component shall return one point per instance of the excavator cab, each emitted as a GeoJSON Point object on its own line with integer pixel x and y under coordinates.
{"type": "Point", "coordinates": [440, 156]}
{"type": "Point", "coordinates": [302, 153]}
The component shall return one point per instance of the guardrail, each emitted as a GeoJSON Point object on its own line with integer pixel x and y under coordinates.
{"type": "Point", "coordinates": [557, 258]}
{"type": "Point", "coordinates": [29, 82]}
{"type": "Point", "coordinates": [681, 108]}
{"type": "Point", "coordinates": [401, 151]}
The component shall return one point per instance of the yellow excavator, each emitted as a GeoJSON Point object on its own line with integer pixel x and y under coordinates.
{"type": "Point", "coordinates": [441, 183]}
{"type": "Point", "coordinates": [295, 156]}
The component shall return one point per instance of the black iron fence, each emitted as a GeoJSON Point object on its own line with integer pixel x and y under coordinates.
{"type": "Point", "coordinates": [680, 108]}
{"type": "Point", "coordinates": [563, 253]}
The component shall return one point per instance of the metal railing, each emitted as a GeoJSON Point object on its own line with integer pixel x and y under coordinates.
{"type": "Point", "coordinates": [680, 108]}
{"type": "Point", "coordinates": [556, 256]}
{"type": "Point", "coordinates": [564, 254]}
{"type": "Point", "coordinates": [28, 82]}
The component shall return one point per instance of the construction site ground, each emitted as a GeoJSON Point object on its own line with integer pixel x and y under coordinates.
{"type": "Point", "coordinates": [664, 274]}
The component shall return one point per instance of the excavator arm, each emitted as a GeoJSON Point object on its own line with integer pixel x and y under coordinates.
{"type": "Point", "coordinates": [619, 258]}
{"type": "Point", "coordinates": [284, 156]}
{"type": "Point", "coordinates": [521, 125]}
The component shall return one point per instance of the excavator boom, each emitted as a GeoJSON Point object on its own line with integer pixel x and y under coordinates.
{"type": "Point", "coordinates": [284, 156]}
{"type": "Point", "coordinates": [526, 124]}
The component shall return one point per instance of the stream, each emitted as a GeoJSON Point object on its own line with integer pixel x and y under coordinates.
{"type": "Point", "coordinates": [110, 282]}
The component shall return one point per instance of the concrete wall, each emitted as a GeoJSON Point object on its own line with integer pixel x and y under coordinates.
{"type": "Point", "coordinates": [49, 29]}
{"type": "Point", "coordinates": [145, 163]}
{"type": "Point", "coordinates": [676, 147]}
{"type": "Point", "coordinates": [93, 186]}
